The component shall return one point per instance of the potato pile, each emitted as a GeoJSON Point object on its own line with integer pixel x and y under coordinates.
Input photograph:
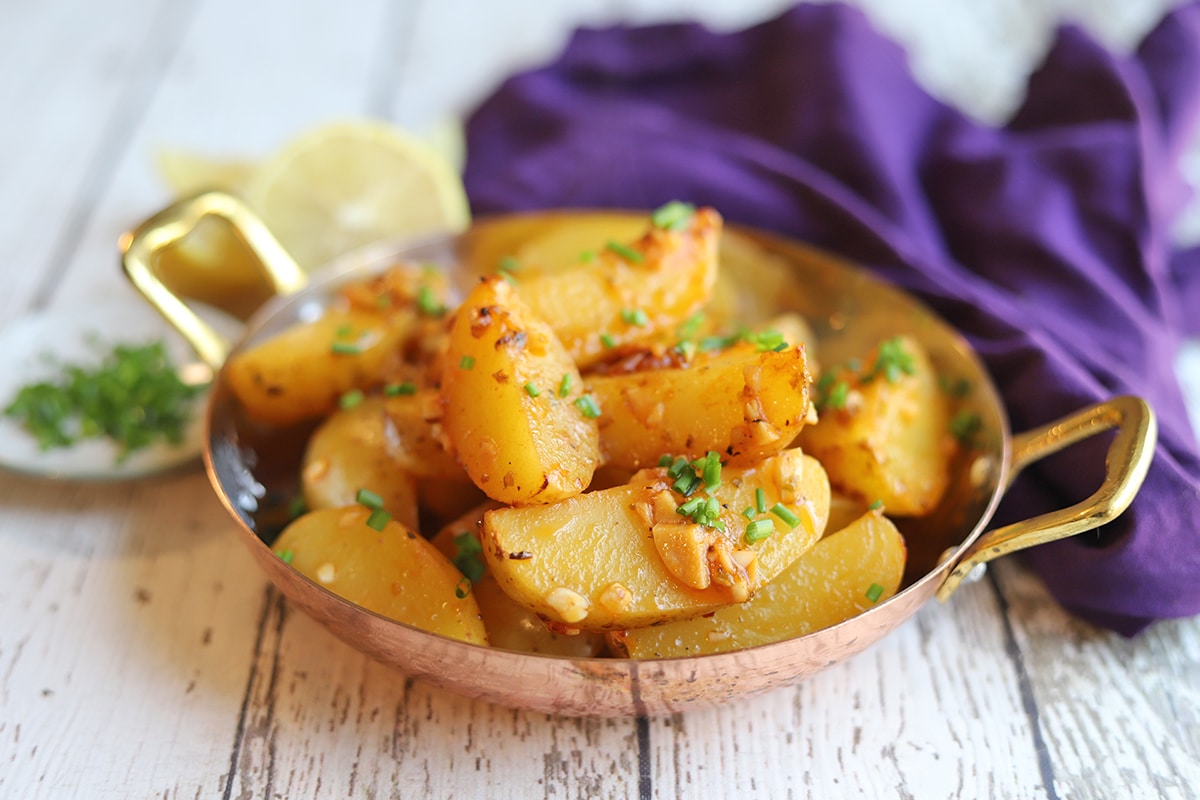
{"type": "Point", "coordinates": [585, 458]}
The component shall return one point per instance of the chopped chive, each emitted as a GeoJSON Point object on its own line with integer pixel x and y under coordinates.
{"type": "Point", "coordinates": [748, 512]}
{"type": "Point", "coordinates": [891, 361]}
{"type": "Point", "coordinates": [587, 404]}
{"type": "Point", "coordinates": [346, 348]}
{"type": "Point", "coordinates": [532, 390]}
{"type": "Point", "coordinates": [673, 215]}
{"type": "Point", "coordinates": [398, 389]}
{"type": "Point", "coordinates": [760, 500]}
{"type": "Point", "coordinates": [665, 460]}
{"type": "Point", "coordinates": [428, 303]}
{"type": "Point", "coordinates": [297, 506]}
{"type": "Point", "coordinates": [466, 362]}
{"type": "Point", "coordinates": [462, 588]}
{"type": "Point", "coordinates": [769, 340]}
{"type": "Point", "coordinates": [965, 425]}
{"type": "Point", "coordinates": [758, 530]}
{"type": "Point", "coordinates": [625, 251]}
{"type": "Point", "coordinates": [285, 556]}
{"type": "Point", "coordinates": [467, 552]}
{"type": "Point", "coordinates": [877, 504]}
{"type": "Point", "coordinates": [874, 592]}
{"type": "Point", "coordinates": [677, 467]}
{"type": "Point", "coordinates": [690, 326]}
{"type": "Point", "coordinates": [510, 264]}
{"type": "Point", "coordinates": [350, 399]}
{"type": "Point", "coordinates": [686, 349]}
{"type": "Point", "coordinates": [687, 483]}
{"type": "Point", "coordinates": [587, 256]}
{"type": "Point", "coordinates": [365, 497]}
{"type": "Point", "coordinates": [712, 471]}
{"type": "Point", "coordinates": [344, 330]}
{"type": "Point", "coordinates": [564, 386]}
{"type": "Point", "coordinates": [635, 316]}
{"type": "Point", "coordinates": [607, 340]}
{"type": "Point", "coordinates": [785, 514]}
{"type": "Point", "coordinates": [690, 506]}
{"type": "Point", "coordinates": [379, 519]}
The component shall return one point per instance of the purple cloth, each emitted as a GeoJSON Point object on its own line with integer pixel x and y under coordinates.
{"type": "Point", "coordinates": [1045, 241]}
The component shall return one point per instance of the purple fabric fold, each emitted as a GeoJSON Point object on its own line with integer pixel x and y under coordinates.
{"type": "Point", "coordinates": [1046, 241]}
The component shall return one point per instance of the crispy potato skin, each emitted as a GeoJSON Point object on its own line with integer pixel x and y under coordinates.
{"type": "Point", "coordinates": [393, 572]}
{"type": "Point", "coordinates": [592, 562]}
{"type": "Point", "coordinates": [746, 405]}
{"type": "Point", "coordinates": [891, 441]}
{"type": "Point", "coordinates": [301, 373]}
{"type": "Point", "coordinates": [520, 439]}
{"type": "Point", "coordinates": [670, 276]}
{"type": "Point", "coordinates": [829, 584]}
{"type": "Point", "coordinates": [350, 451]}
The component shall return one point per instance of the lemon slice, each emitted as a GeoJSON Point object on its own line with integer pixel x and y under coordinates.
{"type": "Point", "coordinates": [348, 184]}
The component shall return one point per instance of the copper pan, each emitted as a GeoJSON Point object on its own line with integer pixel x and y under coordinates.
{"type": "Point", "coordinates": [845, 306]}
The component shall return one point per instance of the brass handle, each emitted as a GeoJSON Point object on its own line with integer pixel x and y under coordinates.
{"type": "Point", "coordinates": [1126, 465]}
{"type": "Point", "coordinates": [139, 246]}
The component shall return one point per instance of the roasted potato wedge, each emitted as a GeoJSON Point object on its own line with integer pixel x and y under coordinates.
{"type": "Point", "coordinates": [350, 451]}
{"type": "Point", "coordinates": [513, 411]}
{"type": "Point", "coordinates": [508, 624]}
{"type": "Point", "coordinates": [392, 571]}
{"type": "Point", "coordinates": [628, 293]}
{"type": "Point", "coordinates": [743, 403]}
{"type": "Point", "coordinates": [846, 573]}
{"type": "Point", "coordinates": [884, 429]}
{"type": "Point", "coordinates": [303, 372]}
{"type": "Point", "coordinates": [625, 557]}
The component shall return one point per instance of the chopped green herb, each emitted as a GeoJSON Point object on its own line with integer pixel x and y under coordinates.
{"type": "Point", "coordinates": [678, 466]}
{"type": "Point", "coordinates": [785, 514]}
{"type": "Point", "coordinates": [673, 215]}
{"type": "Point", "coordinates": [686, 349]}
{"type": "Point", "coordinates": [468, 554]}
{"type": "Point", "coordinates": [398, 389]}
{"type": "Point", "coordinates": [365, 497]}
{"type": "Point", "coordinates": [462, 588]}
{"type": "Point", "coordinates": [831, 392]}
{"type": "Point", "coordinates": [665, 460]}
{"type": "Point", "coordinates": [510, 264]}
{"type": "Point", "coordinates": [343, 331]}
{"type": "Point", "coordinates": [133, 396]}
{"type": "Point", "coordinates": [874, 592]}
{"type": "Point", "coordinates": [350, 399]}
{"type": "Point", "coordinates": [532, 390]}
{"type": "Point", "coordinates": [587, 256]}
{"type": "Point", "coordinates": [758, 530]}
{"type": "Point", "coordinates": [297, 506]}
{"type": "Point", "coordinates": [965, 426]}
{"type": "Point", "coordinates": [564, 386]}
{"type": "Point", "coordinates": [346, 348]}
{"type": "Point", "coordinates": [428, 303]}
{"type": "Point", "coordinates": [760, 500]}
{"type": "Point", "coordinates": [635, 316]}
{"type": "Point", "coordinates": [466, 362]}
{"type": "Point", "coordinates": [954, 388]}
{"type": "Point", "coordinates": [607, 340]}
{"type": "Point", "coordinates": [691, 326]}
{"type": "Point", "coordinates": [379, 519]}
{"type": "Point", "coordinates": [285, 556]}
{"type": "Point", "coordinates": [769, 340]}
{"type": "Point", "coordinates": [876, 505]}
{"type": "Point", "coordinates": [687, 483]}
{"type": "Point", "coordinates": [625, 251]}
{"type": "Point", "coordinates": [587, 404]}
{"type": "Point", "coordinates": [891, 361]}
{"type": "Point", "coordinates": [712, 470]}
{"type": "Point", "coordinates": [748, 512]}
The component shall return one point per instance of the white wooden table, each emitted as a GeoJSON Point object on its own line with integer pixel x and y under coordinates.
{"type": "Point", "coordinates": [143, 655]}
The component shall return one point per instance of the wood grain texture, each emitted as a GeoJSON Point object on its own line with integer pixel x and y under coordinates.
{"type": "Point", "coordinates": [143, 655]}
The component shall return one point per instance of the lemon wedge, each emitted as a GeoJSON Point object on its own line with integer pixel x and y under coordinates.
{"type": "Point", "coordinates": [347, 184]}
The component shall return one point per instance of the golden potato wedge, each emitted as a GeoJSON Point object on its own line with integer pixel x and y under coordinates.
{"type": "Point", "coordinates": [412, 440]}
{"type": "Point", "coordinates": [844, 574]}
{"type": "Point", "coordinates": [350, 451]}
{"type": "Point", "coordinates": [512, 405]}
{"type": "Point", "coordinates": [392, 571]}
{"type": "Point", "coordinates": [743, 403]}
{"type": "Point", "coordinates": [625, 557]}
{"type": "Point", "coordinates": [301, 373]}
{"type": "Point", "coordinates": [628, 293]}
{"type": "Point", "coordinates": [508, 625]}
{"type": "Point", "coordinates": [884, 429]}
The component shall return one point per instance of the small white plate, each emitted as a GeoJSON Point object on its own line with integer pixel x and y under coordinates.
{"type": "Point", "coordinates": [35, 347]}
